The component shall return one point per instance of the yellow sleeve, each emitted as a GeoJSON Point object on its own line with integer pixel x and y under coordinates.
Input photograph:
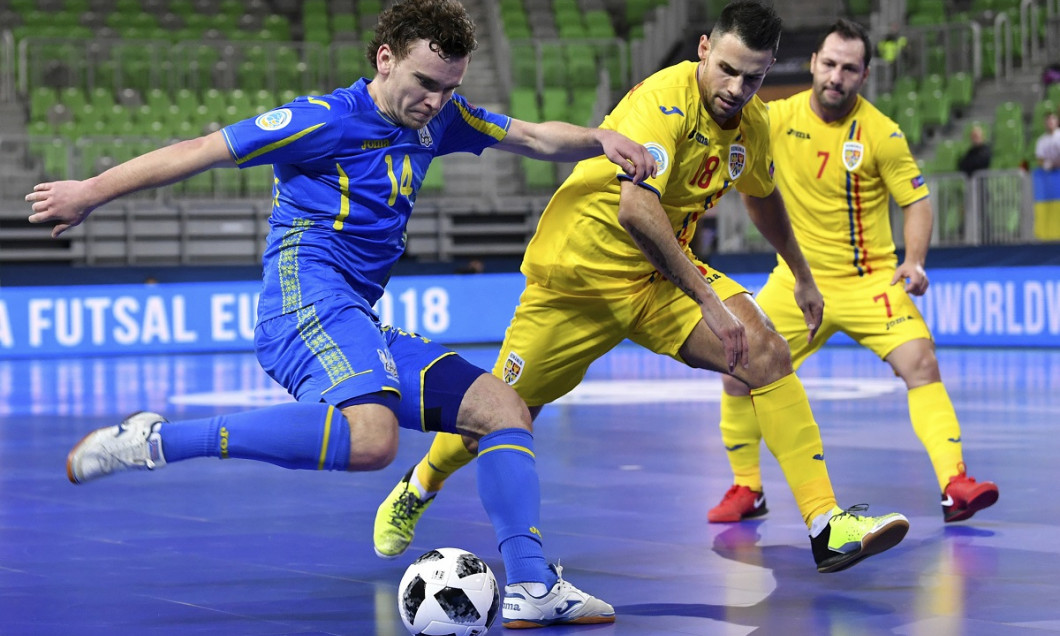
{"type": "Point", "coordinates": [899, 170]}
{"type": "Point", "coordinates": [657, 127]}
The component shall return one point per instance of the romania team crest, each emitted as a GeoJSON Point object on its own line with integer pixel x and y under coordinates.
{"type": "Point", "coordinates": [513, 367]}
{"type": "Point", "coordinates": [853, 153]}
{"type": "Point", "coordinates": [737, 160]}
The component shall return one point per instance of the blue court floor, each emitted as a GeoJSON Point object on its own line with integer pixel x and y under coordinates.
{"type": "Point", "coordinates": [629, 465]}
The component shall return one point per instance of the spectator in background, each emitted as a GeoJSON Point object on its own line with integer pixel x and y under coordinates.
{"type": "Point", "coordinates": [1047, 151]}
{"type": "Point", "coordinates": [977, 156]}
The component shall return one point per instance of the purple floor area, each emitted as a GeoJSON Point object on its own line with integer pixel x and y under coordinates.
{"type": "Point", "coordinates": [629, 463]}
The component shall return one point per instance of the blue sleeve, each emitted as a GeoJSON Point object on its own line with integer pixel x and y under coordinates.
{"type": "Point", "coordinates": [471, 129]}
{"type": "Point", "coordinates": [306, 129]}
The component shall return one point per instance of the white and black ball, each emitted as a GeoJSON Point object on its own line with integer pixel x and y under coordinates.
{"type": "Point", "coordinates": [448, 592]}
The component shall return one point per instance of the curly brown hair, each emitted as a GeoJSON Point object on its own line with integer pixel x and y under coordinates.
{"type": "Point", "coordinates": [445, 25]}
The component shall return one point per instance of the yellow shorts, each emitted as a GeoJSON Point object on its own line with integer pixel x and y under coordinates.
{"type": "Point", "coordinates": [554, 336]}
{"type": "Point", "coordinates": [875, 314]}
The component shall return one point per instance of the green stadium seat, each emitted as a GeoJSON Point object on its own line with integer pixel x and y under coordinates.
{"type": "Point", "coordinates": [434, 180]}
{"type": "Point", "coordinates": [524, 65]}
{"type": "Point", "coordinates": [935, 110]}
{"type": "Point", "coordinates": [1052, 92]}
{"type": "Point", "coordinates": [1042, 107]}
{"type": "Point", "coordinates": [539, 175]}
{"type": "Point", "coordinates": [885, 103]}
{"type": "Point", "coordinates": [583, 101]}
{"type": "Point", "coordinates": [553, 65]}
{"type": "Point", "coordinates": [933, 82]}
{"type": "Point", "coordinates": [41, 99]}
{"type": "Point", "coordinates": [598, 24]}
{"type": "Point", "coordinates": [581, 65]}
{"type": "Point", "coordinates": [555, 104]}
{"type": "Point", "coordinates": [524, 104]}
{"type": "Point", "coordinates": [908, 119]}
{"type": "Point", "coordinates": [960, 88]}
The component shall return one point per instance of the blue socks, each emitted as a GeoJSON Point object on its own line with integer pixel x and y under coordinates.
{"type": "Point", "coordinates": [511, 494]}
{"type": "Point", "coordinates": [295, 435]}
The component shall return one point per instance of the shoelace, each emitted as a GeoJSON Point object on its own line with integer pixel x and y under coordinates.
{"type": "Point", "coordinates": [406, 504]}
{"type": "Point", "coordinates": [852, 511]}
{"type": "Point", "coordinates": [127, 453]}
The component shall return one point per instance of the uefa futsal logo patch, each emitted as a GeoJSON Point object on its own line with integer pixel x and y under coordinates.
{"type": "Point", "coordinates": [662, 159]}
{"type": "Point", "coordinates": [274, 119]}
{"type": "Point", "coordinates": [513, 368]}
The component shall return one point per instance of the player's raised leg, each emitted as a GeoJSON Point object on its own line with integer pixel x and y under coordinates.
{"type": "Point", "coordinates": [839, 538]}
{"type": "Point", "coordinates": [536, 594]}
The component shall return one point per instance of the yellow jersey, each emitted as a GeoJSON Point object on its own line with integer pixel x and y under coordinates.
{"type": "Point", "coordinates": [836, 178]}
{"type": "Point", "coordinates": [579, 244]}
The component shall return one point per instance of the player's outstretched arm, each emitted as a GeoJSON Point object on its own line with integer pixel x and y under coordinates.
{"type": "Point", "coordinates": [641, 214]}
{"type": "Point", "coordinates": [68, 203]}
{"type": "Point", "coordinates": [917, 232]}
{"type": "Point", "coordinates": [559, 141]}
{"type": "Point", "coordinates": [771, 218]}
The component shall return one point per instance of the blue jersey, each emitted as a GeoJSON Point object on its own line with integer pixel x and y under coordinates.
{"type": "Point", "coordinates": [346, 178]}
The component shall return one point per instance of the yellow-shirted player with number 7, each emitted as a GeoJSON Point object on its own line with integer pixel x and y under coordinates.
{"type": "Point", "coordinates": [837, 161]}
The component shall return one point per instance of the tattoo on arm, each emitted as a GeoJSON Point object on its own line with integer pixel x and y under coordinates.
{"type": "Point", "coordinates": [659, 260]}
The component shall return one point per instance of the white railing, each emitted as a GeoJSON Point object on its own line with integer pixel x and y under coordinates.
{"type": "Point", "coordinates": [7, 67]}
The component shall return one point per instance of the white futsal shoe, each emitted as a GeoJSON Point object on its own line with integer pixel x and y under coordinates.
{"type": "Point", "coordinates": [564, 604]}
{"type": "Point", "coordinates": [132, 445]}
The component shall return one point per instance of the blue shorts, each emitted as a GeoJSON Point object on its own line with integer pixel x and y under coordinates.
{"type": "Point", "coordinates": [335, 350]}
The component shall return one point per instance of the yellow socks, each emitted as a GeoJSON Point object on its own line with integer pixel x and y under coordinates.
{"type": "Point", "coordinates": [446, 456]}
{"type": "Point", "coordinates": [935, 423]}
{"type": "Point", "coordinates": [791, 434]}
{"type": "Point", "coordinates": [742, 438]}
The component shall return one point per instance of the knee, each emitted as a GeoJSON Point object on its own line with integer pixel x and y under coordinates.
{"type": "Point", "coordinates": [733, 386]}
{"type": "Point", "coordinates": [491, 405]}
{"type": "Point", "coordinates": [770, 359]}
{"type": "Point", "coordinates": [923, 370]}
{"type": "Point", "coordinates": [373, 437]}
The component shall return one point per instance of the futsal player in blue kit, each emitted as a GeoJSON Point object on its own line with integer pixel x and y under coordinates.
{"type": "Point", "coordinates": [347, 169]}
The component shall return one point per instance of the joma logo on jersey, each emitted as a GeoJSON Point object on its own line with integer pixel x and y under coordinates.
{"type": "Point", "coordinates": [513, 368]}
{"type": "Point", "coordinates": [798, 134]}
{"type": "Point", "coordinates": [700, 138]}
{"type": "Point", "coordinates": [671, 110]}
{"type": "Point", "coordinates": [372, 144]}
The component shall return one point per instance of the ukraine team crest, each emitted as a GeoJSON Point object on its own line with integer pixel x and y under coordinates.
{"type": "Point", "coordinates": [513, 368]}
{"type": "Point", "coordinates": [425, 137]}
{"type": "Point", "coordinates": [737, 160]}
{"type": "Point", "coordinates": [853, 152]}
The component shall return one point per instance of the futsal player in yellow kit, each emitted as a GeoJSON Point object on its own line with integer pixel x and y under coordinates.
{"type": "Point", "coordinates": [838, 160]}
{"type": "Point", "coordinates": [611, 260]}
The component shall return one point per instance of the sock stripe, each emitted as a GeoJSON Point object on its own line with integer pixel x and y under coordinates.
{"type": "Point", "coordinates": [521, 449]}
{"type": "Point", "coordinates": [327, 438]}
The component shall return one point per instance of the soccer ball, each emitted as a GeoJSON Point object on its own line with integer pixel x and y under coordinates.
{"type": "Point", "coordinates": [448, 591]}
